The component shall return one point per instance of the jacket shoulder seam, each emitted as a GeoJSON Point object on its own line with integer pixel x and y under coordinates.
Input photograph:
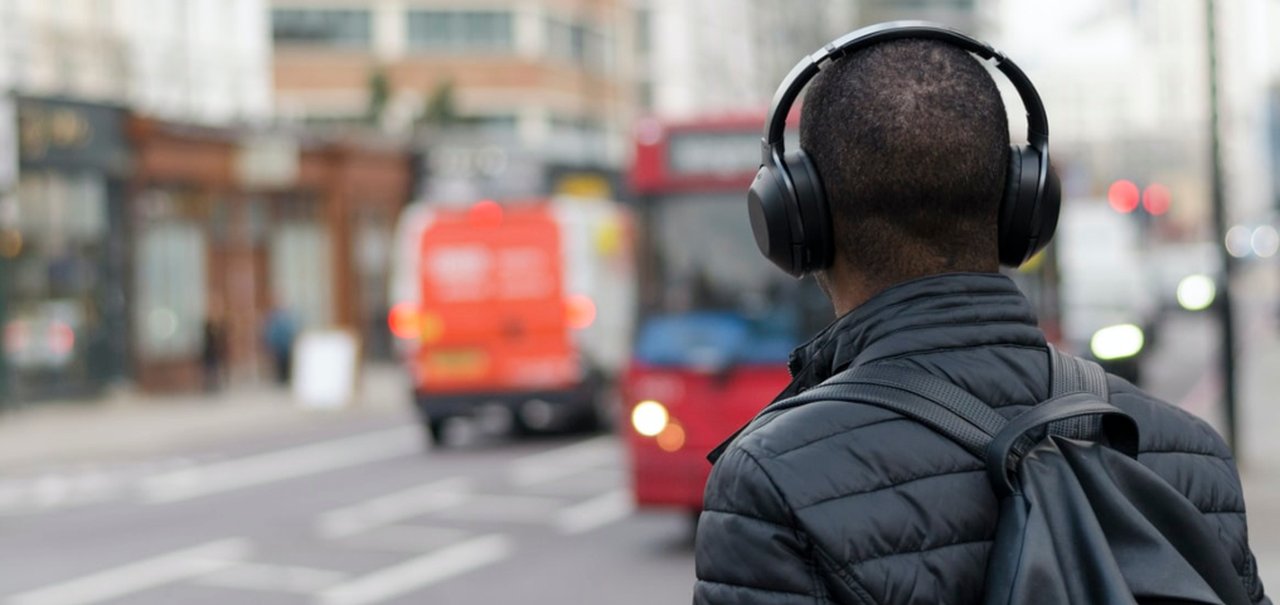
{"type": "Point", "coordinates": [881, 488]}
{"type": "Point", "coordinates": [842, 571]}
{"type": "Point", "coordinates": [809, 547]}
{"type": "Point", "coordinates": [779, 453]}
{"type": "Point", "coordinates": [746, 516]}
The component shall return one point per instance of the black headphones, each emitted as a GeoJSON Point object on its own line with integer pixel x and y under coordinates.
{"type": "Point", "coordinates": [788, 205]}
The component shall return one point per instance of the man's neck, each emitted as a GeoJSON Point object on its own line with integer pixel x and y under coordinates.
{"type": "Point", "coordinates": [849, 290]}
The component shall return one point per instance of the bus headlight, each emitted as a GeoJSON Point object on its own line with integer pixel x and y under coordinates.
{"type": "Point", "coordinates": [650, 418]}
{"type": "Point", "coordinates": [1196, 292]}
{"type": "Point", "coordinates": [1117, 342]}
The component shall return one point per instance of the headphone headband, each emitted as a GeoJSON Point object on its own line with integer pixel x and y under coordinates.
{"type": "Point", "coordinates": [810, 66]}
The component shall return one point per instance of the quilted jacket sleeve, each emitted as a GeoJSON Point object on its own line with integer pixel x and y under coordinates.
{"type": "Point", "coordinates": [748, 550]}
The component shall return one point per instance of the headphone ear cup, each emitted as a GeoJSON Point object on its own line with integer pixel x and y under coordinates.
{"type": "Point", "coordinates": [1020, 212]}
{"type": "Point", "coordinates": [767, 202]}
{"type": "Point", "coordinates": [1050, 208]}
{"type": "Point", "coordinates": [818, 249]}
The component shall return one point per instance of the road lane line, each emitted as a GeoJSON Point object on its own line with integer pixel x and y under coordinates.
{"type": "Point", "coordinates": [413, 539]}
{"type": "Point", "coordinates": [393, 508]}
{"type": "Point", "coordinates": [281, 465]}
{"type": "Point", "coordinates": [597, 512]}
{"type": "Point", "coordinates": [506, 509]}
{"type": "Point", "coordinates": [566, 461]}
{"type": "Point", "coordinates": [419, 573]}
{"type": "Point", "coordinates": [273, 578]}
{"type": "Point", "coordinates": [139, 575]}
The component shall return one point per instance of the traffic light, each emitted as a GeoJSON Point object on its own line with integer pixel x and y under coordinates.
{"type": "Point", "coordinates": [1123, 196]}
{"type": "Point", "coordinates": [1155, 199]}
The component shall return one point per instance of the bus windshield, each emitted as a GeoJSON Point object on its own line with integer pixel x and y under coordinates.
{"type": "Point", "coordinates": [711, 299]}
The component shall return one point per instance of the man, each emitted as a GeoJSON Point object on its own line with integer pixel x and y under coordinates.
{"type": "Point", "coordinates": [840, 502]}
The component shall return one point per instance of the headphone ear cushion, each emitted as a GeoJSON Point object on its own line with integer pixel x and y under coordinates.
{"type": "Point", "coordinates": [1020, 212]}
{"type": "Point", "coordinates": [771, 225]}
{"type": "Point", "coordinates": [815, 214]}
{"type": "Point", "coordinates": [1050, 208]}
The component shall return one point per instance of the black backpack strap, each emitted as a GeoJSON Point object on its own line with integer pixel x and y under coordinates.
{"type": "Point", "coordinates": [1119, 429]}
{"type": "Point", "coordinates": [956, 413]}
{"type": "Point", "coordinates": [1074, 375]}
{"type": "Point", "coordinates": [1070, 374]}
{"type": "Point", "coordinates": [944, 407]}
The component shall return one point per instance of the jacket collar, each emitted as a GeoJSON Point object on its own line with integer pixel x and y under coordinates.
{"type": "Point", "coordinates": [938, 312]}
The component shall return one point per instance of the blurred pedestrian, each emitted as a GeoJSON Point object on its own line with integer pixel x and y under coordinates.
{"type": "Point", "coordinates": [214, 351]}
{"type": "Point", "coordinates": [279, 334]}
{"type": "Point", "coordinates": [907, 199]}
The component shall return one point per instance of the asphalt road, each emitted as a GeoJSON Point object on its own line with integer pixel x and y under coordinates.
{"type": "Point", "coordinates": [362, 514]}
{"type": "Point", "coordinates": [350, 517]}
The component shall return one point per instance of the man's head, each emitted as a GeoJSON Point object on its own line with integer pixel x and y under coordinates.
{"type": "Point", "coordinates": [912, 142]}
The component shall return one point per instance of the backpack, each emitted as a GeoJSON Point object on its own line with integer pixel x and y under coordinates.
{"type": "Point", "coordinates": [1081, 520]}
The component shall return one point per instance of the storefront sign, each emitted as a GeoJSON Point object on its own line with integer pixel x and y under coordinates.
{"type": "Point", "coordinates": [70, 134]}
{"type": "Point", "coordinates": [267, 162]}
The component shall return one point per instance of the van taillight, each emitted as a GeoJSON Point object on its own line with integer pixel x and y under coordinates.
{"type": "Point", "coordinates": [581, 311]}
{"type": "Point", "coordinates": [405, 321]}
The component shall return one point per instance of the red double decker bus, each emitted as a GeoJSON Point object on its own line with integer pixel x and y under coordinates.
{"type": "Point", "coordinates": [717, 322]}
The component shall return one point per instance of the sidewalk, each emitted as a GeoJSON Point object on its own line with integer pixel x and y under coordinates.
{"type": "Point", "coordinates": [1259, 457]}
{"type": "Point", "coordinates": [1258, 391]}
{"type": "Point", "coordinates": [127, 426]}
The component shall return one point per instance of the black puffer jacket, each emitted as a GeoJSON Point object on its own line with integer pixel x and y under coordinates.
{"type": "Point", "coordinates": [845, 503]}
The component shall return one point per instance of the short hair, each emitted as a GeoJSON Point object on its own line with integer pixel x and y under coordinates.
{"type": "Point", "coordinates": [911, 140]}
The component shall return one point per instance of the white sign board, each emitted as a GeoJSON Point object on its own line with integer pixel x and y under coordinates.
{"type": "Point", "coordinates": [324, 369]}
{"type": "Point", "coordinates": [265, 161]}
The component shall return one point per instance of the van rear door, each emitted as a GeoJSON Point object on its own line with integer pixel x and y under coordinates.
{"type": "Point", "coordinates": [493, 309]}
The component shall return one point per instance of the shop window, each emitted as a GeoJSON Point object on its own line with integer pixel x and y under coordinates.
{"type": "Point", "coordinates": [341, 28]}
{"type": "Point", "coordinates": [171, 289]}
{"type": "Point", "coordinates": [56, 262]}
{"type": "Point", "coordinates": [461, 31]}
{"type": "Point", "coordinates": [301, 272]}
{"type": "Point", "coordinates": [62, 208]}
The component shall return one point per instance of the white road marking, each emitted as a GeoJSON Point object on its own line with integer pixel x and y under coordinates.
{"type": "Point", "coordinates": [406, 538]}
{"type": "Point", "coordinates": [393, 508]}
{"type": "Point", "coordinates": [597, 512]}
{"type": "Point", "coordinates": [563, 462]}
{"type": "Point", "coordinates": [585, 484]}
{"type": "Point", "coordinates": [281, 465]}
{"type": "Point", "coordinates": [421, 572]}
{"type": "Point", "coordinates": [139, 575]}
{"type": "Point", "coordinates": [274, 578]}
{"type": "Point", "coordinates": [505, 509]}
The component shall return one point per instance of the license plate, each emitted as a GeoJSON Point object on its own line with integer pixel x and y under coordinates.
{"type": "Point", "coordinates": [456, 363]}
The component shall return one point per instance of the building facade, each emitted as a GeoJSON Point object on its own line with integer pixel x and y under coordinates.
{"type": "Point", "coordinates": [152, 216]}
{"type": "Point", "coordinates": [63, 251]}
{"type": "Point", "coordinates": [728, 56]}
{"type": "Point", "coordinates": [547, 74]}
{"type": "Point", "coordinates": [229, 226]}
{"type": "Point", "coordinates": [203, 61]}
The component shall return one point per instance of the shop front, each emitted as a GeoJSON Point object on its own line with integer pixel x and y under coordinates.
{"type": "Point", "coordinates": [62, 245]}
{"type": "Point", "coordinates": [237, 230]}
